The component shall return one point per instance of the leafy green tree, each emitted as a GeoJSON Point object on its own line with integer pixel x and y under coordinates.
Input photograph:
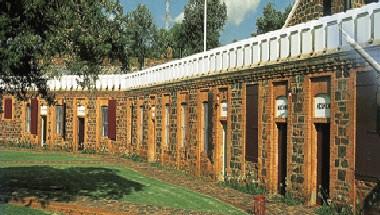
{"type": "Point", "coordinates": [272, 19]}
{"type": "Point", "coordinates": [170, 41]}
{"type": "Point", "coordinates": [44, 38]}
{"type": "Point", "coordinates": [179, 40]}
{"type": "Point", "coordinates": [141, 30]}
{"type": "Point", "coordinates": [193, 24]}
{"type": "Point", "coordinates": [163, 41]}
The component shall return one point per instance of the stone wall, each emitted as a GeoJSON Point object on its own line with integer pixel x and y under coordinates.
{"type": "Point", "coordinates": [313, 9]}
{"type": "Point", "coordinates": [339, 72]}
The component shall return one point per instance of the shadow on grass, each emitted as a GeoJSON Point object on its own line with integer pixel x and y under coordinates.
{"type": "Point", "coordinates": [47, 183]}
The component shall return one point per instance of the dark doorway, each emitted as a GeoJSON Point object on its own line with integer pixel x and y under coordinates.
{"type": "Point", "coordinates": [80, 133]}
{"type": "Point", "coordinates": [282, 156]}
{"type": "Point", "coordinates": [323, 161]}
{"type": "Point", "coordinates": [43, 130]}
{"type": "Point", "coordinates": [224, 151]}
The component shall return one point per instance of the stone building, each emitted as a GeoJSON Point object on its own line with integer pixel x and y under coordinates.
{"type": "Point", "coordinates": [296, 110]}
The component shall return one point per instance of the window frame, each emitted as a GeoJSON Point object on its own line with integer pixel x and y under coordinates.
{"type": "Point", "coordinates": [28, 118]}
{"type": "Point", "coordinates": [347, 5]}
{"type": "Point", "coordinates": [104, 121]}
{"type": "Point", "coordinates": [59, 119]}
{"type": "Point", "coordinates": [167, 124]}
{"type": "Point", "coordinates": [184, 114]}
{"type": "Point", "coordinates": [327, 7]}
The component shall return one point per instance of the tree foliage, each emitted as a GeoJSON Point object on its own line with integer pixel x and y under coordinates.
{"type": "Point", "coordinates": [141, 29]}
{"type": "Point", "coordinates": [272, 19]}
{"type": "Point", "coordinates": [77, 35]}
{"type": "Point", "coordinates": [193, 24]}
{"type": "Point", "coordinates": [170, 41]}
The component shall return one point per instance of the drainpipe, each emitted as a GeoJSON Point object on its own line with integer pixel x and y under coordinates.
{"type": "Point", "coordinates": [368, 58]}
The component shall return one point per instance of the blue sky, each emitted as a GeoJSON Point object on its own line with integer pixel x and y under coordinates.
{"type": "Point", "coordinates": [242, 14]}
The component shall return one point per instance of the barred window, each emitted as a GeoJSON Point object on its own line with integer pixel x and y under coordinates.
{"type": "Point", "coordinates": [59, 119]}
{"type": "Point", "coordinates": [326, 7]}
{"type": "Point", "coordinates": [347, 4]}
{"type": "Point", "coordinates": [104, 110]}
{"type": "Point", "coordinates": [28, 117]}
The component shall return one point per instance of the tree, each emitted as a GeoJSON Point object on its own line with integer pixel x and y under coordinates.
{"type": "Point", "coordinates": [179, 40]}
{"type": "Point", "coordinates": [272, 19]}
{"type": "Point", "coordinates": [170, 41]}
{"type": "Point", "coordinates": [141, 30]}
{"type": "Point", "coordinates": [40, 39]}
{"type": "Point", "coordinates": [193, 24]}
{"type": "Point", "coordinates": [163, 41]}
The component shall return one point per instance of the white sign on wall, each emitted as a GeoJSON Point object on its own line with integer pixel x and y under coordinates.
{"type": "Point", "coordinates": [81, 111]}
{"type": "Point", "coordinates": [322, 105]}
{"type": "Point", "coordinates": [282, 107]}
{"type": "Point", "coordinates": [223, 109]}
{"type": "Point", "coordinates": [44, 110]}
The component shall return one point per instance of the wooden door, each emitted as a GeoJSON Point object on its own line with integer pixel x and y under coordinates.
{"type": "Point", "coordinates": [252, 119]}
{"type": "Point", "coordinates": [282, 157]}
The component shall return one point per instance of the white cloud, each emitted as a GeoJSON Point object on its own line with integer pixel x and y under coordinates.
{"type": "Point", "coordinates": [238, 9]}
{"type": "Point", "coordinates": [179, 18]}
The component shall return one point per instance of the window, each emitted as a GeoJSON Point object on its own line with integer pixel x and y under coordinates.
{"type": "Point", "coordinates": [326, 7]}
{"type": "Point", "coordinates": [104, 121]}
{"type": "Point", "coordinates": [205, 126]}
{"type": "Point", "coordinates": [28, 117]}
{"type": "Point", "coordinates": [141, 124]}
{"type": "Point", "coordinates": [347, 5]}
{"type": "Point", "coordinates": [183, 123]}
{"type": "Point", "coordinates": [8, 108]}
{"type": "Point", "coordinates": [167, 125]}
{"type": "Point", "coordinates": [59, 119]}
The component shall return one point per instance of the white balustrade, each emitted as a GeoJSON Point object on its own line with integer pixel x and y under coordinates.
{"type": "Point", "coordinates": [306, 41]}
{"type": "Point", "coordinates": [361, 24]}
{"type": "Point", "coordinates": [273, 49]}
{"type": "Point", "coordinates": [239, 56]}
{"type": "Point", "coordinates": [264, 50]}
{"type": "Point", "coordinates": [232, 58]}
{"type": "Point", "coordinates": [247, 55]}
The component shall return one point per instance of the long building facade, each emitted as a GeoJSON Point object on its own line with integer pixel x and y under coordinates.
{"type": "Point", "coordinates": [295, 110]}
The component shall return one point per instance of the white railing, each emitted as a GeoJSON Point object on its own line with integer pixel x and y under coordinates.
{"type": "Point", "coordinates": [310, 38]}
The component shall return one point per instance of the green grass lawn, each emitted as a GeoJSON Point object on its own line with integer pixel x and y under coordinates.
{"type": "Point", "coordinates": [67, 182]}
{"type": "Point", "coordinates": [12, 209]}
